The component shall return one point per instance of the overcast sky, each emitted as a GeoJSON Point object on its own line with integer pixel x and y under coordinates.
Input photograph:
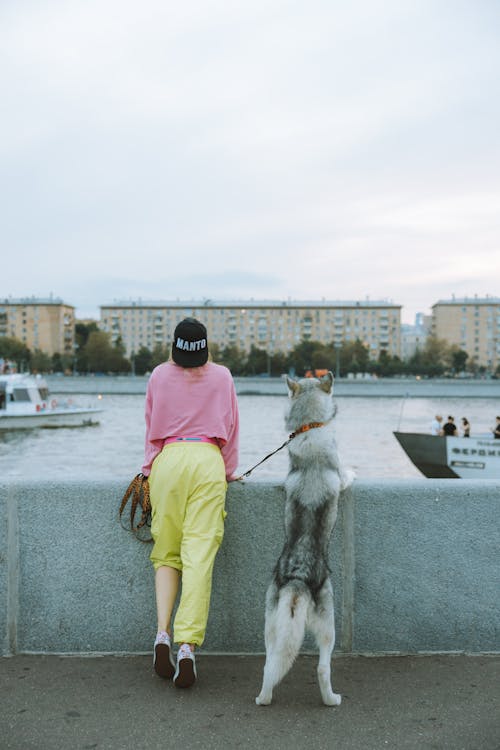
{"type": "Point", "coordinates": [265, 149]}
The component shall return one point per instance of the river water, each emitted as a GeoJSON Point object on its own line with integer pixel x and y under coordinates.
{"type": "Point", "coordinates": [114, 448]}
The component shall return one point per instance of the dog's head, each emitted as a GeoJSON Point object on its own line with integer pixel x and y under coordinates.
{"type": "Point", "coordinates": [310, 400]}
{"type": "Point", "coordinates": [325, 383]}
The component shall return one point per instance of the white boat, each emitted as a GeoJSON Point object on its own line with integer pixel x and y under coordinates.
{"type": "Point", "coordinates": [25, 403]}
{"type": "Point", "coordinates": [452, 457]}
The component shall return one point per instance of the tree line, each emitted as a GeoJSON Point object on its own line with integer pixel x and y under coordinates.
{"type": "Point", "coordinates": [437, 358]}
{"type": "Point", "coordinates": [96, 353]}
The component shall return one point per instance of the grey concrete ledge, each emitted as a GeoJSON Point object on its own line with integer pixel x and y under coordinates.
{"type": "Point", "coordinates": [414, 567]}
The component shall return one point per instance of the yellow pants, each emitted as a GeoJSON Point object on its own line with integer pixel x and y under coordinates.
{"type": "Point", "coordinates": [188, 492]}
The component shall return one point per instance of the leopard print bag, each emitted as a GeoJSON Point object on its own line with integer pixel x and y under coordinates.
{"type": "Point", "coordinates": [138, 494]}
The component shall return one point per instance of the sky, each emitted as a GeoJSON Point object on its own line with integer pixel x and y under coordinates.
{"type": "Point", "coordinates": [270, 149]}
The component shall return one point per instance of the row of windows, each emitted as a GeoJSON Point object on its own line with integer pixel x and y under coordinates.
{"type": "Point", "coordinates": [340, 315]}
{"type": "Point", "coordinates": [265, 333]}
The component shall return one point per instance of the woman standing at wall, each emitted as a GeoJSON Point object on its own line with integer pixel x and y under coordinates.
{"type": "Point", "coordinates": [192, 431]}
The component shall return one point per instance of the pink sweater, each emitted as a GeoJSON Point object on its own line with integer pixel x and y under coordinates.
{"type": "Point", "coordinates": [196, 401]}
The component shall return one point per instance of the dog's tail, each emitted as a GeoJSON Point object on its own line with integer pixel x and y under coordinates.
{"type": "Point", "coordinates": [291, 616]}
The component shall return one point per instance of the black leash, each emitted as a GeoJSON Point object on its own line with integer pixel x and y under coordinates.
{"type": "Point", "coordinates": [291, 436]}
{"type": "Point", "coordinates": [247, 473]}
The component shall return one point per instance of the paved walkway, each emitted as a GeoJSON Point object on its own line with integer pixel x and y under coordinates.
{"type": "Point", "coordinates": [117, 703]}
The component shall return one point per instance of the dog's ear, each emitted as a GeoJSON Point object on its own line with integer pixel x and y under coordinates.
{"type": "Point", "coordinates": [293, 386]}
{"type": "Point", "coordinates": [326, 382]}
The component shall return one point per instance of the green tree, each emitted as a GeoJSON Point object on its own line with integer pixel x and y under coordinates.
{"type": "Point", "coordinates": [311, 355]}
{"type": "Point", "coordinates": [432, 360]}
{"type": "Point", "coordinates": [40, 362]}
{"type": "Point", "coordinates": [82, 333]}
{"type": "Point", "coordinates": [436, 352]}
{"type": "Point", "coordinates": [257, 361]}
{"type": "Point", "coordinates": [215, 352]}
{"type": "Point", "coordinates": [62, 362]}
{"type": "Point", "coordinates": [416, 363]}
{"type": "Point", "coordinates": [458, 359]}
{"type": "Point", "coordinates": [15, 351]}
{"type": "Point", "coordinates": [57, 363]}
{"type": "Point", "coordinates": [160, 354]}
{"type": "Point", "coordinates": [323, 357]}
{"type": "Point", "coordinates": [388, 366]}
{"type": "Point", "coordinates": [118, 361]}
{"type": "Point", "coordinates": [103, 356]}
{"type": "Point", "coordinates": [143, 361]}
{"type": "Point", "coordinates": [98, 351]}
{"type": "Point", "coordinates": [234, 359]}
{"type": "Point", "coordinates": [279, 363]}
{"type": "Point", "coordinates": [354, 357]}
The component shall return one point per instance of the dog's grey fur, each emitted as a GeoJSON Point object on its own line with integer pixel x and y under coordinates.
{"type": "Point", "coordinates": [300, 595]}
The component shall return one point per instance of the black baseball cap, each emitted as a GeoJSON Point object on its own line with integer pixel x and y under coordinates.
{"type": "Point", "coordinates": [190, 346]}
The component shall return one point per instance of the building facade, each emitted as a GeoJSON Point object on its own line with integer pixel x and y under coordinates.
{"type": "Point", "coordinates": [473, 324]}
{"type": "Point", "coordinates": [47, 325]}
{"type": "Point", "coordinates": [270, 325]}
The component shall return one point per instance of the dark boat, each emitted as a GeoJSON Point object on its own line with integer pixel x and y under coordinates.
{"type": "Point", "coordinates": [452, 457]}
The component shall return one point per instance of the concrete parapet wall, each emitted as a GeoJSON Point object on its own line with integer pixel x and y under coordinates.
{"type": "Point", "coordinates": [414, 567]}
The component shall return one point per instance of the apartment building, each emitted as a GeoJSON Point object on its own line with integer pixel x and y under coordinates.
{"type": "Point", "coordinates": [473, 324]}
{"type": "Point", "coordinates": [270, 325]}
{"type": "Point", "coordinates": [44, 324]}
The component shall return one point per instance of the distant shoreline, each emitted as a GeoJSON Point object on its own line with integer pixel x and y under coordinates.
{"type": "Point", "coordinates": [261, 386]}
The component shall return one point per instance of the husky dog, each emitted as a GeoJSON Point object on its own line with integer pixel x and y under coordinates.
{"type": "Point", "coordinates": [300, 595]}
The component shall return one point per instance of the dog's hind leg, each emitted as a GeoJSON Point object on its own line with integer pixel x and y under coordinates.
{"type": "Point", "coordinates": [285, 626]}
{"type": "Point", "coordinates": [322, 624]}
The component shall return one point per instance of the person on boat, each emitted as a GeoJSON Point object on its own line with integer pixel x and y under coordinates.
{"type": "Point", "coordinates": [450, 428]}
{"type": "Point", "coordinates": [191, 452]}
{"type": "Point", "coordinates": [496, 429]}
{"type": "Point", "coordinates": [436, 425]}
{"type": "Point", "coordinates": [465, 427]}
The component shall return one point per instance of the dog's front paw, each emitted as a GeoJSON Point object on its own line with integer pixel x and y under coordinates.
{"type": "Point", "coordinates": [332, 699]}
{"type": "Point", "coordinates": [263, 700]}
